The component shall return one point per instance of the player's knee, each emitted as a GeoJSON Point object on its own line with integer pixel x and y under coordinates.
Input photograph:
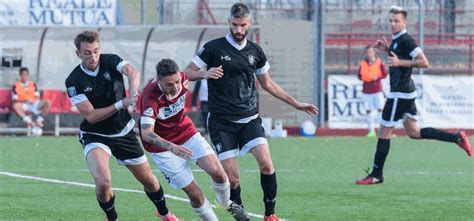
{"type": "Point", "coordinates": [413, 134]}
{"type": "Point", "coordinates": [266, 168]}
{"type": "Point", "coordinates": [234, 182]}
{"type": "Point", "coordinates": [219, 176]}
{"type": "Point", "coordinates": [150, 183]}
{"type": "Point", "coordinates": [196, 198]}
{"type": "Point", "coordinates": [103, 186]}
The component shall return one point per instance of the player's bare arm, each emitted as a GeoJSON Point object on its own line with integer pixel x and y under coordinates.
{"type": "Point", "coordinates": [420, 61]}
{"type": "Point", "coordinates": [194, 73]}
{"type": "Point", "coordinates": [274, 89]}
{"type": "Point", "coordinates": [93, 115]}
{"type": "Point", "coordinates": [150, 136]}
{"type": "Point", "coordinates": [133, 81]}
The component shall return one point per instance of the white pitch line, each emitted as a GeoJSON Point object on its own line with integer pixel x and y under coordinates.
{"type": "Point", "coordinates": [198, 170]}
{"type": "Point", "coordinates": [93, 186]}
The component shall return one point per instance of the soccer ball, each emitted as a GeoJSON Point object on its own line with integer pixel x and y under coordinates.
{"type": "Point", "coordinates": [36, 131]}
{"type": "Point", "coordinates": [308, 129]}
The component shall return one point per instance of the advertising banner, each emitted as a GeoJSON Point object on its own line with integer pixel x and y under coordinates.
{"type": "Point", "coordinates": [443, 101]}
{"type": "Point", "coordinates": [58, 12]}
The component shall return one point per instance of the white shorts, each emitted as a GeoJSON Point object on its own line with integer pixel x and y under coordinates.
{"type": "Point", "coordinates": [373, 101]}
{"type": "Point", "coordinates": [176, 169]}
{"type": "Point", "coordinates": [31, 107]}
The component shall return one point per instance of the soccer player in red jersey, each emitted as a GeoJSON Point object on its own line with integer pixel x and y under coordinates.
{"type": "Point", "coordinates": [172, 139]}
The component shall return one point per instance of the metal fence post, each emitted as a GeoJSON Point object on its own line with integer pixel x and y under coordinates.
{"type": "Point", "coordinates": [421, 27]}
{"type": "Point", "coordinates": [318, 77]}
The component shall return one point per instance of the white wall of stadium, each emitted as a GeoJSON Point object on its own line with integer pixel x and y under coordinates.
{"type": "Point", "coordinates": [442, 102]}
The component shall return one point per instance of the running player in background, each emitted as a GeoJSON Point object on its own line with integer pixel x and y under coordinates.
{"type": "Point", "coordinates": [404, 55]}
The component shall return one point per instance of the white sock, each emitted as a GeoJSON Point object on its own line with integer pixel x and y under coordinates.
{"type": "Point", "coordinates": [222, 191]}
{"type": "Point", "coordinates": [368, 118]}
{"type": "Point", "coordinates": [39, 119]}
{"type": "Point", "coordinates": [205, 212]}
{"type": "Point", "coordinates": [27, 119]}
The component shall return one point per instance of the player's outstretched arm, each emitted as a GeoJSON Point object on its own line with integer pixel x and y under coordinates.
{"type": "Point", "coordinates": [194, 73]}
{"type": "Point", "coordinates": [96, 115]}
{"type": "Point", "coordinates": [274, 89]}
{"type": "Point", "coordinates": [150, 136]}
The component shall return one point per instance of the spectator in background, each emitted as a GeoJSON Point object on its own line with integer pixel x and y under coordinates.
{"type": "Point", "coordinates": [371, 72]}
{"type": "Point", "coordinates": [26, 98]}
{"type": "Point", "coordinates": [200, 89]}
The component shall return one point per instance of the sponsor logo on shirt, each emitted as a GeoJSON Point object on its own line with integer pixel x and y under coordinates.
{"type": "Point", "coordinates": [173, 109]}
{"type": "Point", "coordinates": [71, 91]}
{"type": "Point", "coordinates": [225, 58]}
{"type": "Point", "coordinates": [88, 89]}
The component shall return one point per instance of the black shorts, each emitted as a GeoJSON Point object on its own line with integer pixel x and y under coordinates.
{"type": "Point", "coordinates": [230, 139]}
{"type": "Point", "coordinates": [126, 149]}
{"type": "Point", "coordinates": [396, 109]}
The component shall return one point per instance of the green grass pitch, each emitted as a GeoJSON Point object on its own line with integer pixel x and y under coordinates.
{"type": "Point", "coordinates": [424, 180]}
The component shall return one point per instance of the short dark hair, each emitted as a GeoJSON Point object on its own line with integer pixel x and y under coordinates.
{"type": "Point", "coordinates": [239, 10]}
{"type": "Point", "coordinates": [398, 11]}
{"type": "Point", "coordinates": [24, 69]}
{"type": "Point", "coordinates": [368, 47]}
{"type": "Point", "coordinates": [166, 67]}
{"type": "Point", "coordinates": [86, 36]}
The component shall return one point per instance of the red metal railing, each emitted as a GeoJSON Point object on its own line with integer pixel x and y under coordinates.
{"type": "Point", "coordinates": [359, 40]}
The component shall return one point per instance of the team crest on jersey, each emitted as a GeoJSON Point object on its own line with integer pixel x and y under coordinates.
{"type": "Point", "coordinates": [148, 112]}
{"type": "Point", "coordinates": [251, 59]}
{"type": "Point", "coordinates": [107, 76]}
{"type": "Point", "coordinates": [71, 91]}
{"type": "Point", "coordinates": [395, 46]}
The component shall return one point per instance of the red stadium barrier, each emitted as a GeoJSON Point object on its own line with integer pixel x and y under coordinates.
{"type": "Point", "coordinates": [56, 99]}
{"type": "Point", "coordinates": [6, 103]}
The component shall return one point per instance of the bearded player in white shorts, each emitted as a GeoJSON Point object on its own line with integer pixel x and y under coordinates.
{"type": "Point", "coordinates": [172, 140]}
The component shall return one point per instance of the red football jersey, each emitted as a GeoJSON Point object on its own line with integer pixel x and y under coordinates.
{"type": "Point", "coordinates": [167, 115]}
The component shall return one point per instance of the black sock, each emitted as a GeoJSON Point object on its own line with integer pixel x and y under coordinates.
{"type": "Point", "coordinates": [158, 198]}
{"type": "Point", "coordinates": [269, 186]}
{"type": "Point", "coordinates": [109, 208]}
{"type": "Point", "coordinates": [383, 146]}
{"type": "Point", "coordinates": [235, 196]}
{"type": "Point", "coordinates": [432, 133]}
